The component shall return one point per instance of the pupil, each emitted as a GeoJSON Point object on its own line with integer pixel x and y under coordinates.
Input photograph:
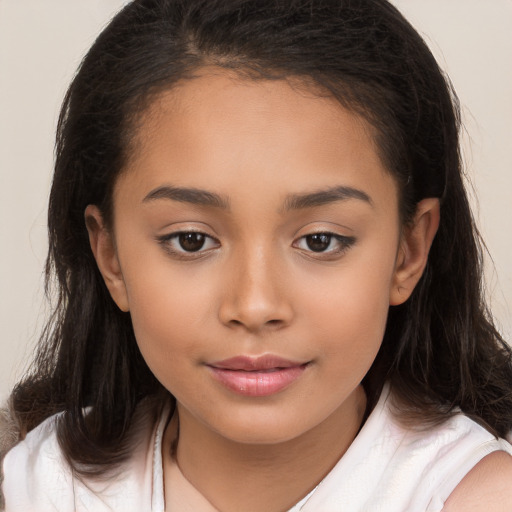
{"type": "Point", "coordinates": [318, 243]}
{"type": "Point", "coordinates": [191, 242]}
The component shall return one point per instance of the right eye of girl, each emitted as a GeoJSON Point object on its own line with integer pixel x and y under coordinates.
{"type": "Point", "coordinates": [188, 242]}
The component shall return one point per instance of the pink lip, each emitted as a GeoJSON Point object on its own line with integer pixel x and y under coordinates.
{"type": "Point", "coordinates": [257, 376]}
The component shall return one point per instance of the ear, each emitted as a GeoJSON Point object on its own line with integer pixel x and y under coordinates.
{"type": "Point", "coordinates": [104, 250]}
{"type": "Point", "coordinates": [413, 251]}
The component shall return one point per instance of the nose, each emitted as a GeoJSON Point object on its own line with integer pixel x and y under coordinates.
{"type": "Point", "coordinates": [255, 295]}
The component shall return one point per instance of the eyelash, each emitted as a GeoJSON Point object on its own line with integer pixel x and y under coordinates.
{"type": "Point", "coordinates": [168, 242]}
{"type": "Point", "coordinates": [343, 244]}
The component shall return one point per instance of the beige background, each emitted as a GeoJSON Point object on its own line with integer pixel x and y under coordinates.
{"type": "Point", "coordinates": [42, 42]}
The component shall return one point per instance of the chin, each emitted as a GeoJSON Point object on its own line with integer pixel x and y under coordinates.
{"type": "Point", "coordinates": [262, 430]}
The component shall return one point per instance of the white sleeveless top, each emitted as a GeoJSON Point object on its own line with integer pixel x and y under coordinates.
{"type": "Point", "coordinates": [387, 468]}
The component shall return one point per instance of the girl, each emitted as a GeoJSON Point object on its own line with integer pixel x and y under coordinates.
{"type": "Point", "coordinates": [268, 275]}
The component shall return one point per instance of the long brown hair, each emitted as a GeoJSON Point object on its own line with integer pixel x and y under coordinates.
{"type": "Point", "coordinates": [440, 351]}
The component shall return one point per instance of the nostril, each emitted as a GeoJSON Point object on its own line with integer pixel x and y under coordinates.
{"type": "Point", "coordinates": [254, 311]}
{"type": "Point", "coordinates": [274, 323]}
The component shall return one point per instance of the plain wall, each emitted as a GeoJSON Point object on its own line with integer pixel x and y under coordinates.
{"type": "Point", "coordinates": [41, 44]}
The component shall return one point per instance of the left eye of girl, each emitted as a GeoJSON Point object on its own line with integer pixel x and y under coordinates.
{"type": "Point", "coordinates": [326, 243]}
{"type": "Point", "coordinates": [190, 242]}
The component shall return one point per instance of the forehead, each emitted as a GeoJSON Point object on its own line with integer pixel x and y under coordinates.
{"type": "Point", "coordinates": [215, 96]}
{"type": "Point", "coordinates": [222, 130]}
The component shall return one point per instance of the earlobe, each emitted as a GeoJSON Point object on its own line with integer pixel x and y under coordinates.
{"type": "Point", "coordinates": [104, 250]}
{"type": "Point", "coordinates": [414, 248]}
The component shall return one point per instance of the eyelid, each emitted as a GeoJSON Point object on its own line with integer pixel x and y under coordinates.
{"type": "Point", "coordinates": [166, 242]}
{"type": "Point", "coordinates": [345, 241]}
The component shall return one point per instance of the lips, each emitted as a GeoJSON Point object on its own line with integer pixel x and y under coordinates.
{"type": "Point", "coordinates": [257, 376]}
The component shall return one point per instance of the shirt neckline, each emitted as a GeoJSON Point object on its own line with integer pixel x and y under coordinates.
{"type": "Point", "coordinates": [158, 495]}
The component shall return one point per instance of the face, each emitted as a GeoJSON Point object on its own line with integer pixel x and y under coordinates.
{"type": "Point", "coordinates": [256, 244]}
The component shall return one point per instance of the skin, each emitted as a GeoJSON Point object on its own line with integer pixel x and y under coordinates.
{"type": "Point", "coordinates": [256, 287]}
{"type": "Point", "coordinates": [485, 487]}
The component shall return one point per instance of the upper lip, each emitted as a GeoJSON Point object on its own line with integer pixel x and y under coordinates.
{"type": "Point", "coordinates": [250, 363]}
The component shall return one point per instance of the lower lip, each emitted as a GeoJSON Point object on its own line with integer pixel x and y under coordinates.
{"type": "Point", "coordinates": [255, 383]}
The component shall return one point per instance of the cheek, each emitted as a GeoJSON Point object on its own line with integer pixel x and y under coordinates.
{"type": "Point", "coordinates": [350, 312]}
{"type": "Point", "coordinates": [167, 334]}
{"type": "Point", "coordinates": [171, 310]}
{"type": "Point", "coordinates": [159, 293]}
{"type": "Point", "coordinates": [163, 312]}
{"type": "Point", "coordinates": [355, 325]}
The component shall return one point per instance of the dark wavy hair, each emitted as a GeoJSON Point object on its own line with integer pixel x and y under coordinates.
{"type": "Point", "coordinates": [440, 352]}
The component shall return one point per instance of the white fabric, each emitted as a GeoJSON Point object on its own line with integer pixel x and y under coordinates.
{"type": "Point", "coordinates": [389, 468]}
{"type": "Point", "coordinates": [386, 469]}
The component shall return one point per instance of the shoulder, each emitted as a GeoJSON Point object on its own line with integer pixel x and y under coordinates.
{"type": "Point", "coordinates": [486, 487]}
{"type": "Point", "coordinates": [461, 465]}
{"type": "Point", "coordinates": [37, 475]}
{"type": "Point", "coordinates": [35, 465]}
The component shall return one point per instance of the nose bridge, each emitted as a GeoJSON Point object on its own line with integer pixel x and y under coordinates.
{"type": "Point", "coordinates": [257, 297]}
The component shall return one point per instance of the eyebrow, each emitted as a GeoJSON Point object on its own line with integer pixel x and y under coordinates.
{"type": "Point", "coordinates": [293, 202]}
{"type": "Point", "coordinates": [326, 196]}
{"type": "Point", "coordinates": [188, 195]}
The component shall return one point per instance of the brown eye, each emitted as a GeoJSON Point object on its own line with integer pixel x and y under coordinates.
{"type": "Point", "coordinates": [318, 242]}
{"type": "Point", "coordinates": [191, 242]}
{"type": "Point", "coordinates": [324, 245]}
{"type": "Point", "coordinates": [188, 244]}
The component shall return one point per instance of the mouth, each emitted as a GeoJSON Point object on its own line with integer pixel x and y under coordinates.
{"type": "Point", "coordinates": [257, 376]}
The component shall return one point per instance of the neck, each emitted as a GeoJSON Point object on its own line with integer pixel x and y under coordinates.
{"type": "Point", "coordinates": [234, 476]}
